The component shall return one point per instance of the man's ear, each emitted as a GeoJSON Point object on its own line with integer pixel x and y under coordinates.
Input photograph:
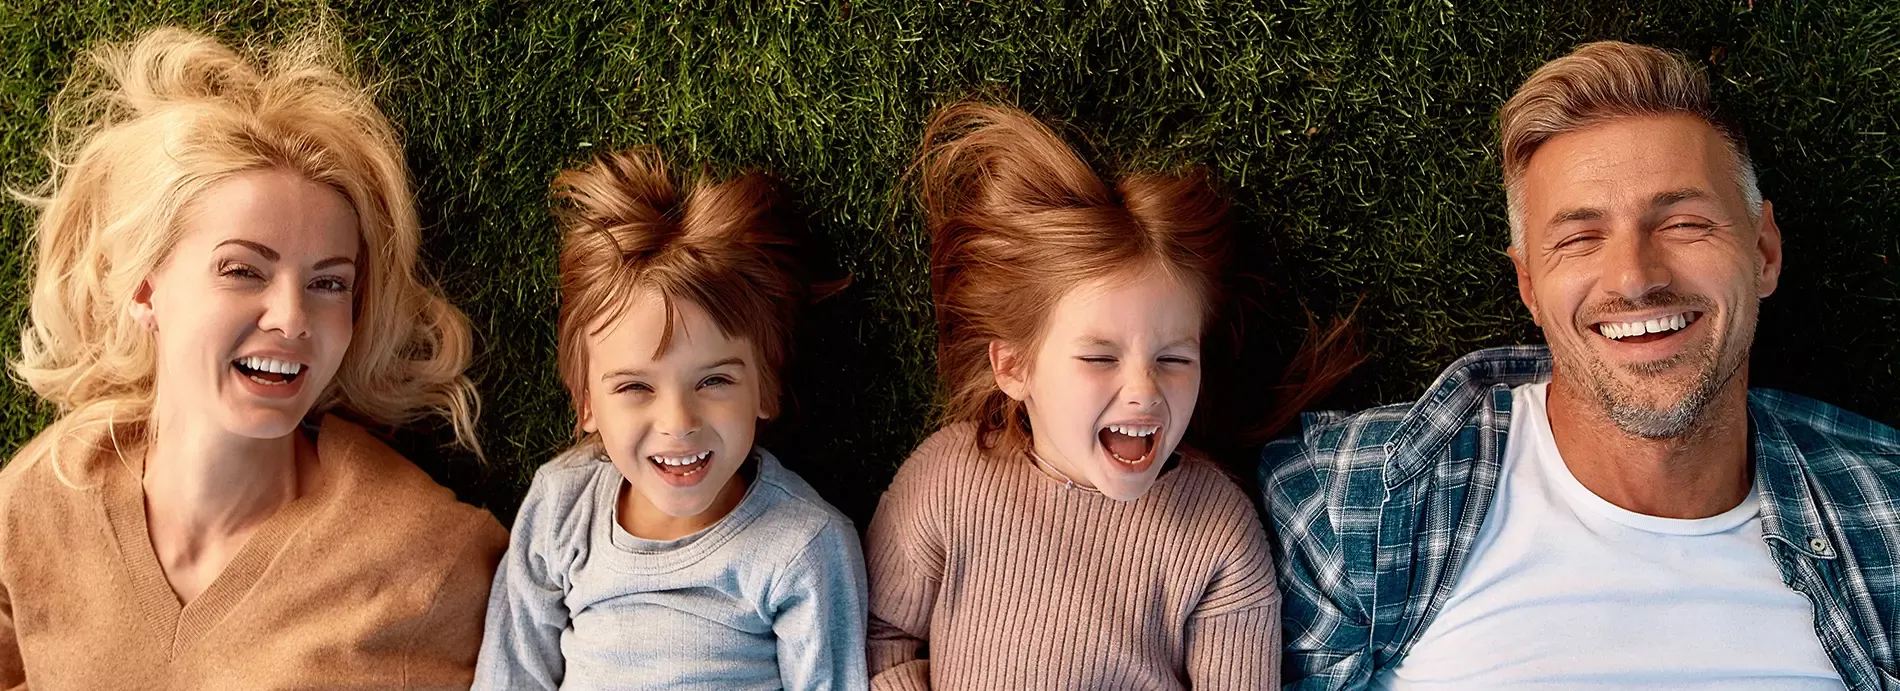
{"type": "Point", "coordinates": [141, 308]}
{"type": "Point", "coordinates": [1524, 291]}
{"type": "Point", "coordinates": [1006, 363]}
{"type": "Point", "coordinates": [1768, 243]}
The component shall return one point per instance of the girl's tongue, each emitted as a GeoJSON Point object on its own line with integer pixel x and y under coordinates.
{"type": "Point", "coordinates": [1125, 447]}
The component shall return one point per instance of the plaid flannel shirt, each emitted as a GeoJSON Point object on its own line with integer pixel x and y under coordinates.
{"type": "Point", "coordinates": [1373, 514]}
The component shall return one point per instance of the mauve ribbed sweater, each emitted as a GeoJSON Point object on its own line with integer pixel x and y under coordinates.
{"type": "Point", "coordinates": [986, 573]}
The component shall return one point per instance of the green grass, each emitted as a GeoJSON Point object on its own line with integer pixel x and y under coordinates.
{"type": "Point", "coordinates": [1355, 136]}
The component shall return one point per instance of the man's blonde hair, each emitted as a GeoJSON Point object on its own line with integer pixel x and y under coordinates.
{"type": "Point", "coordinates": [144, 128]}
{"type": "Point", "coordinates": [1599, 82]}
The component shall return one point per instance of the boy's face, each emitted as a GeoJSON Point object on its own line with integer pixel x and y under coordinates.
{"type": "Point", "coordinates": [677, 424]}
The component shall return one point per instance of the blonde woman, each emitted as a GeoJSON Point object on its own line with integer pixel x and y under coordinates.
{"type": "Point", "coordinates": [224, 289]}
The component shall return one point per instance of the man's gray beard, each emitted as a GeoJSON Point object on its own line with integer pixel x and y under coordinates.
{"type": "Point", "coordinates": [1635, 418]}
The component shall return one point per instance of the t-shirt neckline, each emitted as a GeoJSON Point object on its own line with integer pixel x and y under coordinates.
{"type": "Point", "coordinates": [1531, 400]}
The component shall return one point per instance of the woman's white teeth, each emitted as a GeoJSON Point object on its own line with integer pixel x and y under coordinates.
{"type": "Point", "coordinates": [1622, 330]}
{"type": "Point", "coordinates": [680, 460]}
{"type": "Point", "coordinates": [1134, 430]}
{"type": "Point", "coordinates": [264, 364]}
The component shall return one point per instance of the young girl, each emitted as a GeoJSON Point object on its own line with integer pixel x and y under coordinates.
{"type": "Point", "coordinates": [224, 293]}
{"type": "Point", "coordinates": [666, 551]}
{"type": "Point", "coordinates": [1051, 536]}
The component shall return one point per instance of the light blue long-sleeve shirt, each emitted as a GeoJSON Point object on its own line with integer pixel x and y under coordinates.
{"type": "Point", "coordinates": [772, 596]}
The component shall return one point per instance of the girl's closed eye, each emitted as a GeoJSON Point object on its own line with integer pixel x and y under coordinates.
{"type": "Point", "coordinates": [633, 387]}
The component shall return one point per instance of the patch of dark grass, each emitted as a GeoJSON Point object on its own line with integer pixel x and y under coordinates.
{"type": "Point", "coordinates": [1355, 136]}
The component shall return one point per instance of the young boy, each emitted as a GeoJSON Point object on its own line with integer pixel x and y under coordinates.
{"type": "Point", "coordinates": [666, 551]}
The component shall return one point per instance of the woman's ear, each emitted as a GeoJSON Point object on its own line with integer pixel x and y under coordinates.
{"type": "Point", "coordinates": [1006, 363]}
{"type": "Point", "coordinates": [141, 308]}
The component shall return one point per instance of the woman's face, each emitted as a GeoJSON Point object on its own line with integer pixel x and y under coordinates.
{"type": "Point", "coordinates": [1111, 387]}
{"type": "Point", "coordinates": [252, 310]}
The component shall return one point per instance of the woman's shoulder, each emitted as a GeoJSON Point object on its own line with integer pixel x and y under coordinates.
{"type": "Point", "coordinates": [380, 496]}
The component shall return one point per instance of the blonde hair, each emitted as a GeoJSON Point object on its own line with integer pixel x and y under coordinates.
{"type": "Point", "coordinates": [145, 127]}
{"type": "Point", "coordinates": [1599, 82]}
{"type": "Point", "coordinates": [629, 225]}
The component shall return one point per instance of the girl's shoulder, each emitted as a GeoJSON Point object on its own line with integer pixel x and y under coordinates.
{"type": "Point", "coordinates": [948, 454]}
{"type": "Point", "coordinates": [1209, 496]}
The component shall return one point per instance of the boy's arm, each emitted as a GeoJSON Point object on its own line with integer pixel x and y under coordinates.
{"type": "Point", "coordinates": [819, 613]}
{"type": "Point", "coordinates": [521, 642]}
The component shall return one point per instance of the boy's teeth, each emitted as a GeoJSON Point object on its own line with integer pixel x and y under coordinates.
{"type": "Point", "coordinates": [681, 460]}
{"type": "Point", "coordinates": [1622, 330]}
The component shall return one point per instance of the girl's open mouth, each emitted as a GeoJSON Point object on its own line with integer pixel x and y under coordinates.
{"type": "Point", "coordinates": [1129, 444]}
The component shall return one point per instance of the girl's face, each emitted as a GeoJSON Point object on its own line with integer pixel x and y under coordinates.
{"type": "Point", "coordinates": [678, 425]}
{"type": "Point", "coordinates": [252, 310]}
{"type": "Point", "coordinates": [1110, 389]}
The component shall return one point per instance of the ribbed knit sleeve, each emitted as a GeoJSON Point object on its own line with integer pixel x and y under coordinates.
{"type": "Point", "coordinates": [904, 563]}
{"type": "Point", "coordinates": [1233, 637]}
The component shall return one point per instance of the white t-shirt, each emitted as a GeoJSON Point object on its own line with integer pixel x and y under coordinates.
{"type": "Point", "coordinates": [1564, 590]}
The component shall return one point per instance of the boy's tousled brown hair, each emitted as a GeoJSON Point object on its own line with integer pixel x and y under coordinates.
{"type": "Point", "coordinates": [727, 246]}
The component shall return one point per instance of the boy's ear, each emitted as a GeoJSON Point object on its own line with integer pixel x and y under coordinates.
{"type": "Point", "coordinates": [1006, 363]}
{"type": "Point", "coordinates": [586, 413]}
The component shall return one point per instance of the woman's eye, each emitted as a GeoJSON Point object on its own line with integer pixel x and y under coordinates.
{"type": "Point", "coordinates": [716, 380]}
{"type": "Point", "coordinates": [238, 271]}
{"type": "Point", "coordinates": [331, 285]}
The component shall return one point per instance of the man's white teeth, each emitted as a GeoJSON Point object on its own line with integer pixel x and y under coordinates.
{"type": "Point", "coordinates": [1134, 430]}
{"type": "Point", "coordinates": [680, 460]}
{"type": "Point", "coordinates": [264, 364]}
{"type": "Point", "coordinates": [1622, 330]}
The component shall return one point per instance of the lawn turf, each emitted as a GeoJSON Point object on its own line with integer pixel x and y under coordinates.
{"type": "Point", "coordinates": [1356, 138]}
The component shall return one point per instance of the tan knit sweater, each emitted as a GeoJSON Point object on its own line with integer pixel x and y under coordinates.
{"type": "Point", "coordinates": [375, 578]}
{"type": "Point", "coordinates": [986, 573]}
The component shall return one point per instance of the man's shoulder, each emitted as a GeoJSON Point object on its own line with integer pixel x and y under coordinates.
{"type": "Point", "coordinates": [1832, 440]}
{"type": "Point", "coordinates": [1340, 441]}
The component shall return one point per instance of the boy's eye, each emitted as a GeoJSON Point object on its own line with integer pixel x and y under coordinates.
{"type": "Point", "coordinates": [716, 380]}
{"type": "Point", "coordinates": [1097, 359]}
{"type": "Point", "coordinates": [633, 387]}
{"type": "Point", "coordinates": [1175, 360]}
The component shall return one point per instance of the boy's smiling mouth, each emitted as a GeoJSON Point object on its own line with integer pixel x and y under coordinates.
{"type": "Point", "coordinates": [682, 469]}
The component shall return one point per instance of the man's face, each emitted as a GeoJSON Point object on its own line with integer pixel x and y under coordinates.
{"type": "Point", "coordinates": [1643, 266]}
